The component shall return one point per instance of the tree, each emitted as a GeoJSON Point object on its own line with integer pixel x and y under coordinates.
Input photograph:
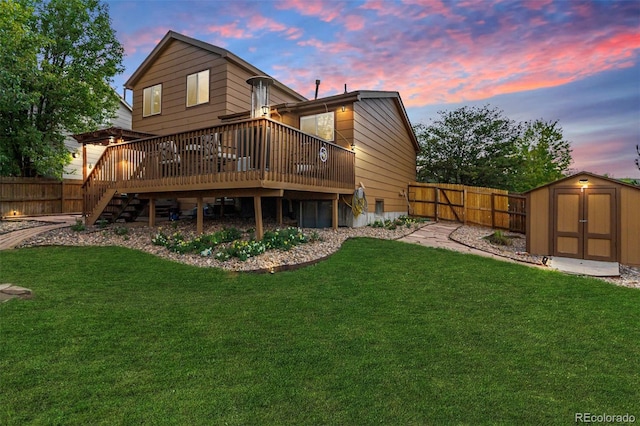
{"type": "Point", "coordinates": [545, 155]}
{"type": "Point", "coordinates": [481, 147]}
{"type": "Point", "coordinates": [470, 146]}
{"type": "Point", "coordinates": [58, 59]}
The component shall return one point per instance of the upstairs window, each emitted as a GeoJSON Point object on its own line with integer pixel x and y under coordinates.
{"type": "Point", "coordinates": [321, 125]}
{"type": "Point", "coordinates": [152, 100]}
{"type": "Point", "coordinates": [198, 88]}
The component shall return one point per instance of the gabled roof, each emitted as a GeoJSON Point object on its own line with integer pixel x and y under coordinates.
{"type": "Point", "coordinates": [575, 175]}
{"type": "Point", "coordinates": [355, 96]}
{"type": "Point", "coordinates": [172, 35]}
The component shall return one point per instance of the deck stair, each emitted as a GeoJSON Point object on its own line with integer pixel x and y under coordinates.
{"type": "Point", "coordinates": [126, 207]}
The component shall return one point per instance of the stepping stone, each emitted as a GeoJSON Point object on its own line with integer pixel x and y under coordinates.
{"type": "Point", "coordinates": [9, 291]}
{"type": "Point", "coordinates": [17, 291]}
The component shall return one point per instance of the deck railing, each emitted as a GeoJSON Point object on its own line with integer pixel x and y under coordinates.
{"type": "Point", "coordinates": [248, 153]}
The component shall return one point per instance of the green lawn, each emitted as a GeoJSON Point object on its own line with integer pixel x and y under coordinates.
{"type": "Point", "coordinates": [381, 333]}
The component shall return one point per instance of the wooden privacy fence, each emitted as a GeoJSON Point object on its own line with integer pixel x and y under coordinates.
{"type": "Point", "coordinates": [36, 196]}
{"type": "Point", "coordinates": [469, 205]}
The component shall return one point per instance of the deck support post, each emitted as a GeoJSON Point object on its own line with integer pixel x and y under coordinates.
{"type": "Point", "coordinates": [257, 207]}
{"type": "Point", "coordinates": [199, 215]}
{"type": "Point", "coordinates": [334, 213]}
{"type": "Point", "coordinates": [152, 212]}
{"type": "Point", "coordinates": [279, 211]}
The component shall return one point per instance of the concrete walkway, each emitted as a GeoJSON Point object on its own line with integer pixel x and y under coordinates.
{"type": "Point", "coordinates": [12, 239]}
{"type": "Point", "coordinates": [437, 235]}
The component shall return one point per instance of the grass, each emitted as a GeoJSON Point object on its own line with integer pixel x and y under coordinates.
{"type": "Point", "coordinates": [381, 333]}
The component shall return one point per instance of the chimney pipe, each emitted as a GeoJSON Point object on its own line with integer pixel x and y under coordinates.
{"type": "Point", "coordinates": [317, 85]}
{"type": "Point", "coordinates": [345, 88]}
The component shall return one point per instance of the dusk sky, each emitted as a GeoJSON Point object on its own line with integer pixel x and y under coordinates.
{"type": "Point", "coordinates": [572, 61]}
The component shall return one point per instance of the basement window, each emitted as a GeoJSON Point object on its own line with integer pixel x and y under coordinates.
{"type": "Point", "coordinates": [152, 100]}
{"type": "Point", "coordinates": [380, 207]}
{"type": "Point", "coordinates": [198, 88]}
{"type": "Point", "coordinates": [321, 125]}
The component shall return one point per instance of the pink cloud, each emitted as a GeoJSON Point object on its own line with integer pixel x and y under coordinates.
{"type": "Point", "coordinates": [327, 10]}
{"type": "Point", "coordinates": [537, 4]}
{"type": "Point", "coordinates": [354, 22]}
{"type": "Point", "coordinates": [143, 39]}
{"type": "Point", "coordinates": [231, 30]}
{"type": "Point", "coordinates": [252, 25]}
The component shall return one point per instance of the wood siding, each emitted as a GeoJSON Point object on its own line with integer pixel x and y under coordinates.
{"type": "Point", "coordinates": [228, 90]}
{"type": "Point", "coordinates": [385, 155]}
{"type": "Point", "coordinates": [630, 232]}
{"type": "Point", "coordinates": [538, 241]}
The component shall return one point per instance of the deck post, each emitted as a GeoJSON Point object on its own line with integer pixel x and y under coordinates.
{"type": "Point", "coordinates": [152, 212]}
{"type": "Point", "coordinates": [334, 212]}
{"type": "Point", "coordinates": [279, 211]}
{"type": "Point", "coordinates": [257, 207]}
{"type": "Point", "coordinates": [199, 216]}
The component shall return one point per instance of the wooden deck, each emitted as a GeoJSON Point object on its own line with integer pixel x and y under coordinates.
{"type": "Point", "coordinates": [256, 157]}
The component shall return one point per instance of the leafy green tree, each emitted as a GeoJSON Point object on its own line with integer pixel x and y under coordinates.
{"type": "Point", "coordinates": [470, 146]}
{"type": "Point", "coordinates": [58, 59]}
{"type": "Point", "coordinates": [481, 147]}
{"type": "Point", "coordinates": [545, 155]}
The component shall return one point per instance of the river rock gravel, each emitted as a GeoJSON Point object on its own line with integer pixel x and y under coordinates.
{"type": "Point", "coordinates": [138, 236]}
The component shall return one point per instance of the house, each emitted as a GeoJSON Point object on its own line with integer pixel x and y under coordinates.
{"type": "Point", "coordinates": [87, 154]}
{"type": "Point", "coordinates": [222, 128]}
{"type": "Point", "coordinates": [585, 216]}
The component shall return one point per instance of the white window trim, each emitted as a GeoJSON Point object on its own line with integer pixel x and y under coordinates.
{"type": "Point", "coordinates": [197, 79]}
{"type": "Point", "coordinates": [148, 92]}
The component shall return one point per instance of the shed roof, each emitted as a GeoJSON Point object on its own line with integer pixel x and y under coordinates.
{"type": "Point", "coordinates": [172, 35]}
{"type": "Point", "coordinates": [584, 173]}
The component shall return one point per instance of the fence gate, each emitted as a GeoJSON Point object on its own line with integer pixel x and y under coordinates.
{"type": "Point", "coordinates": [469, 204]}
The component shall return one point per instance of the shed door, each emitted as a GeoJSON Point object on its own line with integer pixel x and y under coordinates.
{"type": "Point", "coordinates": [585, 224]}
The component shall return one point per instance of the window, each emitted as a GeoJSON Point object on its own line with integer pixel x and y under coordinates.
{"type": "Point", "coordinates": [380, 207]}
{"type": "Point", "coordinates": [152, 100]}
{"type": "Point", "coordinates": [198, 88]}
{"type": "Point", "coordinates": [320, 125]}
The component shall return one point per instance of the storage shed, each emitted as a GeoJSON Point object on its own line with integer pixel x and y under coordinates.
{"type": "Point", "coordinates": [585, 216]}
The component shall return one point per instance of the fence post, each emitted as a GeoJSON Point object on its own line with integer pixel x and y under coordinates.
{"type": "Point", "coordinates": [464, 205]}
{"type": "Point", "coordinates": [493, 211]}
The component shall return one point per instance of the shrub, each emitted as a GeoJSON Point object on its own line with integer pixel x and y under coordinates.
{"type": "Point", "coordinates": [121, 230]}
{"type": "Point", "coordinates": [498, 238]}
{"type": "Point", "coordinates": [78, 226]}
{"type": "Point", "coordinates": [283, 239]}
{"type": "Point", "coordinates": [398, 222]}
{"type": "Point", "coordinates": [242, 249]}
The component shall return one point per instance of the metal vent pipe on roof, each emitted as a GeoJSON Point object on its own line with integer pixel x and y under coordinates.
{"type": "Point", "coordinates": [260, 106]}
{"type": "Point", "coordinates": [317, 85]}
